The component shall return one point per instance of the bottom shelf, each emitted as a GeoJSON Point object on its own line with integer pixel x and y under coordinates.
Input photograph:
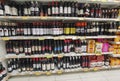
{"type": "Point", "coordinates": [6, 78]}
{"type": "Point", "coordinates": [63, 71]}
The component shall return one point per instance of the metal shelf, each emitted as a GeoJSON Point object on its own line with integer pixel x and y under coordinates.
{"type": "Point", "coordinates": [8, 56]}
{"type": "Point", "coordinates": [37, 18]}
{"type": "Point", "coordinates": [60, 71]}
{"type": "Point", "coordinates": [56, 37]}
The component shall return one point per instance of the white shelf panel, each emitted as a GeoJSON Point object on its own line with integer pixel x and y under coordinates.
{"type": "Point", "coordinates": [35, 18]}
{"type": "Point", "coordinates": [112, 42]}
{"type": "Point", "coordinates": [56, 37]}
{"type": "Point", "coordinates": [8, 56]}
{"type": "Point", "coordinates": [115, 55]}
{"type": "Point", "coordinates": [2, 59]}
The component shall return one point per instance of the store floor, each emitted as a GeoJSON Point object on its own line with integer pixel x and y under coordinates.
{"type": "Point", "coordinates": [111, 75]}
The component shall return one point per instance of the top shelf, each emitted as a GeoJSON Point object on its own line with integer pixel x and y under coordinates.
{"type": "Point", "coordinates": [37, 18]}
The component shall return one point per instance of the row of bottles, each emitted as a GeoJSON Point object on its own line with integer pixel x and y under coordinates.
{"type": "Point", "coordinates": [57, 8]}
{"type": "Point", "coordinates": [3, 72]}
{"type": "Point", "coordinates": [55, 63]}
{"type": "Point", "coordinates": [51, 46]}
{"type": "Point", "coordinates": [57, 28]}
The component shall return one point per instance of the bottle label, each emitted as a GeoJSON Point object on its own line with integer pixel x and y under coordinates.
{"type": "Point", "coordinates": [36, 48]}
{"type": "Point", "coordinates": [52, 66]}
{"type": "Point", "coordinates": [43, 67]}
{"type": "Point", "coordinates": [65, 10]}
{"type": "Point", "coordinates": [21, 49]}
{"type": "Point", "coordinates": [39, 48]}
{"type": "Point", "coordinates": [67, 30]}
{"type": "Point", "coordinates": [14, 11]}
{"type": "Point", "coordinates": [83, 48]}
{"type": "Point", "coordinates": [81, 11]}
{"type": "Point", "coordinates": [33, 48]}
{"type": "Point", "coordinates": [57, 12]}
{"type": "Point", "coordinates": [26, 50]}
{"type": "Point", "coordinates": [44, 31]}
{"type": "Point", "coordinates": [69, 10]}
{"type": "Point", "coordinates": [34, 65]}
{"type": "Point", "coordinates": [36, 9]}
{"type": "Point", "coordinates": [48, 66]}
{"type": "Point", "coordinates": [29, 12]}
{"type": "Point", "coordinates": [61, 10]}
{"type": "Point", "coordinates": [65, 48]}
{"type": "Point", "coordinates": [37, 65]}
{"type": "Point", "coordinates": [13, 31]}
{"type": "Point", "coordinates": [25, 31]}
{"type": "Point", "coordinates": [29, 50]}
{"type": "Point", "coordinates": [17, 50]}
{"type": "Point", "coordinates": [49, 11]}
{"type": "Point", "coordinates": [60, 30]}
{"type": "Point", "coordinates": [34, 31]}
{"type": "Point", "coordinates": [53, 10]}
{"type": "Point", "coordinates": [37, 31]}
{"type": "Point", "coordinates": [41, 31]}
{"type": "Point", "coordinates": [28, 31]}
{"type": "Point", "coordinates": [32, 9]}
{"type": "Point", "coordinates": [1, 12]}
{"type": "Point", "coordinates": [55, 31]}
{"type": "Point", "coordinates": [6, 32]}
{"type": "Point", "coordinates": [1, 32]}
{"type": "Point", "coordinates": [25, 11]}
{"type": "Point", "coordinates": [7, 9]}
{"type": "Point", "coordinates": [64, 65]}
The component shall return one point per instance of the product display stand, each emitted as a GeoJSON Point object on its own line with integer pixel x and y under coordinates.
{"type": "Point", "coordinates": [4, 56]}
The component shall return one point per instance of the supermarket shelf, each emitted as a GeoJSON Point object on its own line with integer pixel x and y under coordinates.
{"type": "Point", "coordinates": [36, 18]}
{"type": "Point", "coordinates": [6, 78]}
{"type": "Point", "coordinates": [115, 55]}
{"type": "Point", "coordinates": [112, 42]}
{"type": "Point", "coordinates": [54, 37]}
{"type": "Point", "coordinates": [2, 59]}
{"type": "Point", "coordinates": [60, 71]}
{"type": "Point", "coordinates": [8, 56]}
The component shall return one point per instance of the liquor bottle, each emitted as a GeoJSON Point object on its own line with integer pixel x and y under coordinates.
{"type": "Point", "coordinates": [76, 9]}
{"type": "Point", "coordinates": [6, 29]}
{"type": "Point", "coordinates": [32, 8]}
{"type": "Point", "coordinates": [65, 9]}
{"type": "Point", "coordinates": [100, 11]}
{"type": "Point", "coordinates": [56, 9]}
{"type": "Point", "coordinates": [53, 8]}
{"type": "Point", "coordinates": [83, 46]}
{"type": "Point", "coordinates": [52, 64]}
{"type": "Point", "coordinates": [13, 29]}
{"type": "Point", "coordinates": [41, 28]}
{"type": "Point", "coordinates": [1, 9]}
{"type": "Point", "coordinates": [96, 11]}
{"type": "Point", "coordinates": [69, 9]}
{"type": "Point", "coordinates": [61, 10]}
{"type": "Point", "coordinates": [3, 72]}
{"type": "Point", "coordinates": [92, 10]}
{"type": "Point", "coordinates": [49, 9]}
{"type": "Point", "coordinates": [43, 47]}
{"type": "Point", "coordinates": [39, 47]}
{"type": "Point", "coordinates": [1, 29]}
{"type": "Point", "coordinates": [73, 9]}
{"type": "Point", "coordinates": [86, 10]}
{"type": "Point", "coordinates": [80, 10]}
{"type": "Point", "coordinates": [7, 9]}
{"type": "Point", "coordinates": [36, 9]}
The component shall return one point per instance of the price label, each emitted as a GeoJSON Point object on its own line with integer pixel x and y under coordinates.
{"type": "Point", "coordinates": [56, 38]}
{"type": "Point", "coordinates": [41, 38]}
{"type": "Point", "coordinates": [103, 0]}
{"type": "Point", "coordinates": [49, 56]}
{"type": "Point", "coordinates": [96, 69]}
{"type": "Point", "coordinates": [48, 73]}
{"type": "Point", "coordinates": [43, 17]}
{"type": "Point", "coordinates": [37, 73]}
{"type": "Point", "coordinates": [60, 55]}
{"type": "Point", "coordinates": [24, 17]}
{"type": "Point", "coordinates": [98, 54]}
{"type": "Point", "coordinates": [86, 70]}
{"type": "Point", "coordinates": [81, 19]}
{"type": "Point", "coordinates": [5, 38]}
{"type": "Point", "coordinates": [59, 72]}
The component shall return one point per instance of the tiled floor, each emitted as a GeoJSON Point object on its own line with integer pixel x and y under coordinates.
{"type": "Point", "coordinates": [112, 75]}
